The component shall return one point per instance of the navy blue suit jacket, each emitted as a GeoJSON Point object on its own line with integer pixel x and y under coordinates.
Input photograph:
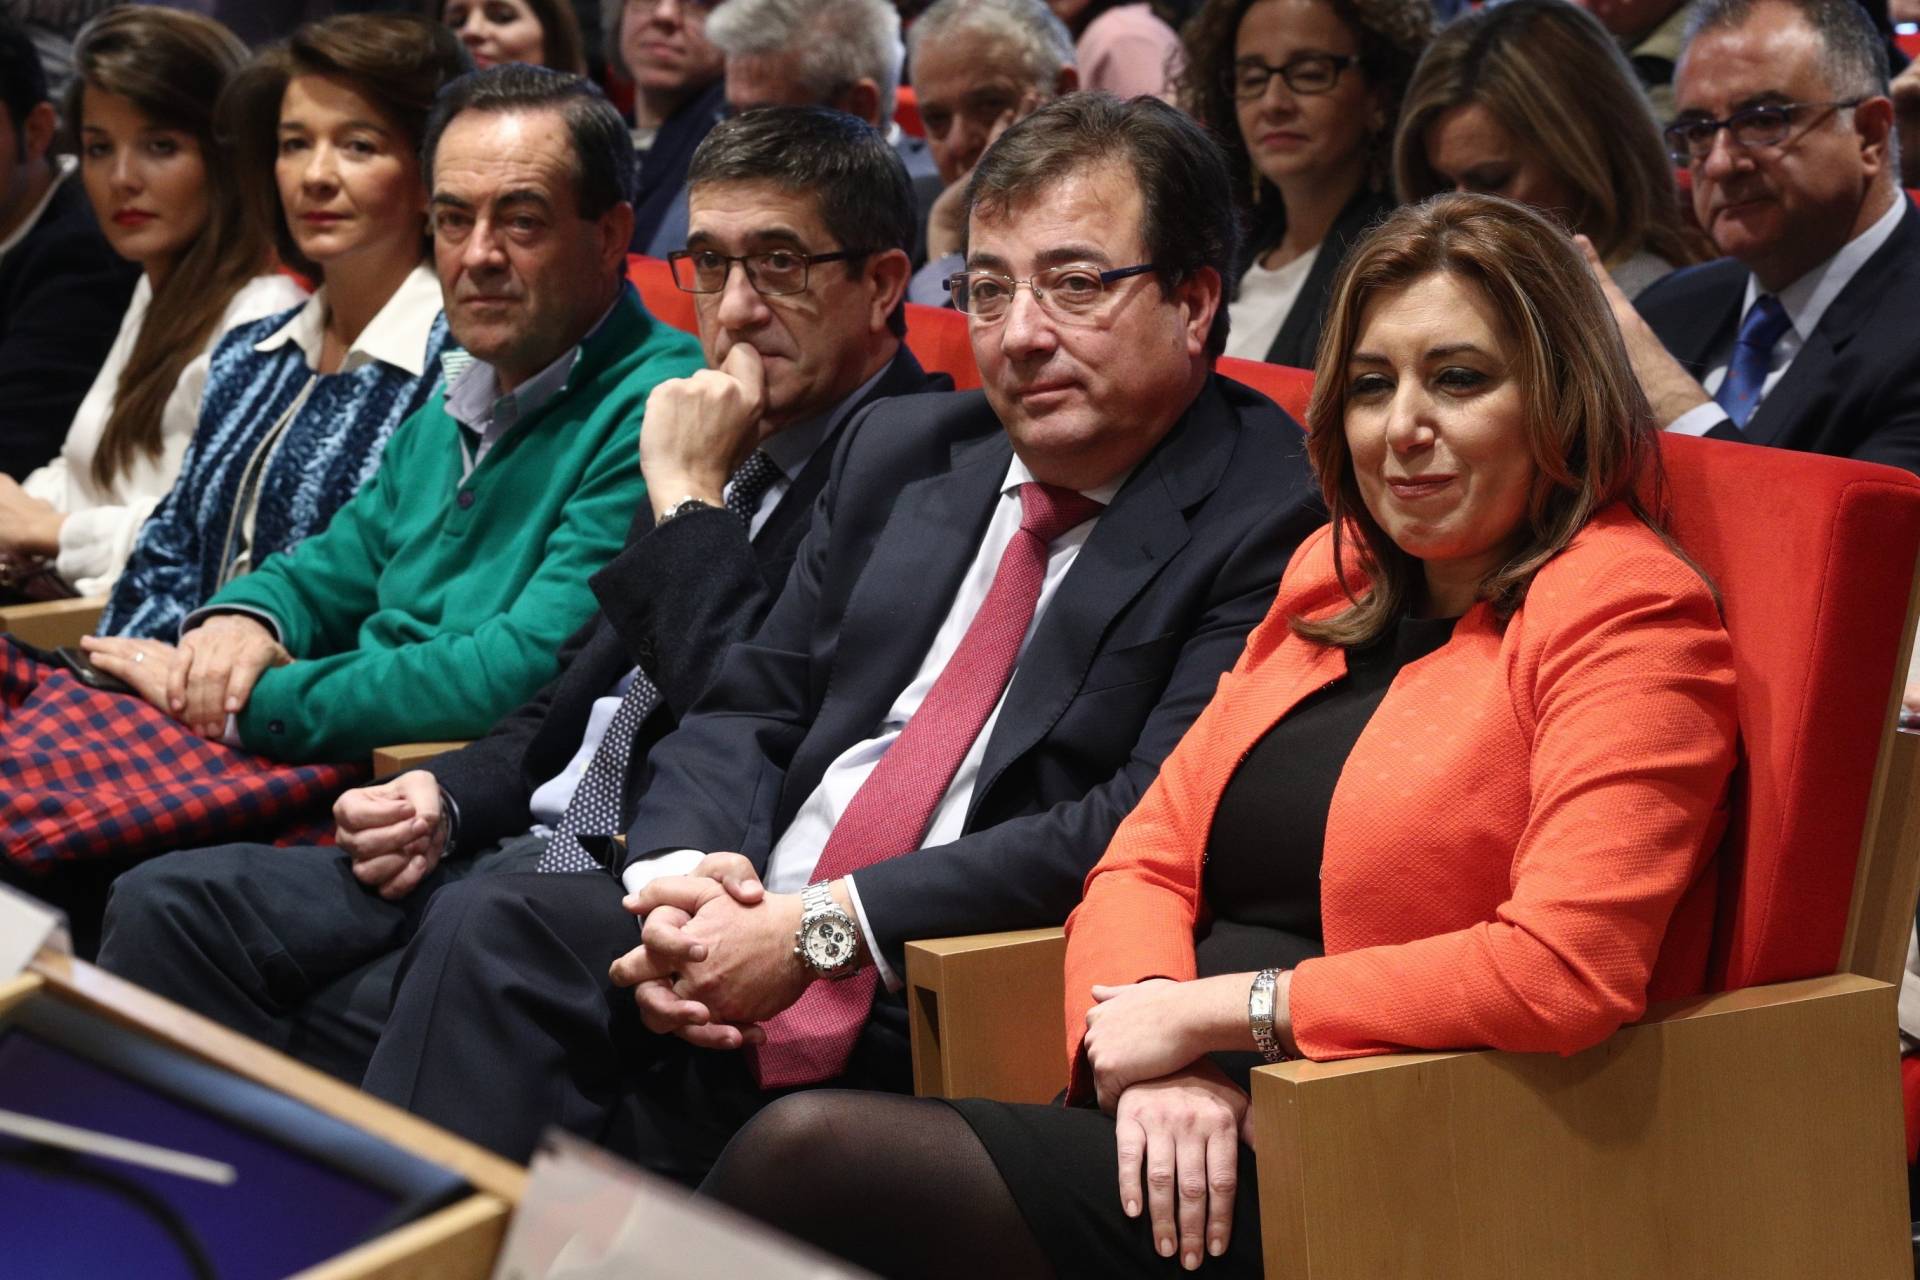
{"type": "Point", "coordinates": [1853, 390]}
{"type": "Point", "coordinates": [1182, 564]}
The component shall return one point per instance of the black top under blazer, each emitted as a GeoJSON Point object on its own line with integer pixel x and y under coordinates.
{"type": "Point", "coordinates": [1180, 567]}
{"type": "Point", "coordinates": [1853, 390]}
{"type": "Point", "coordinates": [670, 602]}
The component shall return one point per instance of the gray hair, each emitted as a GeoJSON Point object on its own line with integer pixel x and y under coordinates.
{"type": "Point", "coordinates": [1042, 40]}
{"type": "Point", "coordinates": [835, 43]}
{"type": "Point", "coordinates": [1853, 54]}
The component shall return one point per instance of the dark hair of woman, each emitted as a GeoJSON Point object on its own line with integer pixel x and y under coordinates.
{"type": "Point", "coordinates": [564, 48]}
{"type": "Point", "coordinates": [170, 65]}
{"type": "Point", "coordinates": [397, 62]}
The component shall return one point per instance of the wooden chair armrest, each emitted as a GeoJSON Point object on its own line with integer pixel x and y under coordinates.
{"type": "Point", "coordinates": [401, 757]}
{"type": "Point", "coordinates": [54, 623]}
{"type": "Point", "coordinates": [1754, 1133]}
{"type": "Point", "coordinates": [985, 1015]}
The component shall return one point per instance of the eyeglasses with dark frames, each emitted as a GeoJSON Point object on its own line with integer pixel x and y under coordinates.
{"type": "Point", "coordinates": [1309, 73]}
{"type": "Point", "coordinates": [1690, 139]}
{"type": "Point", "coordinates": [773, 273]}
{"type": "Point", "coordinates": [1066, 293]}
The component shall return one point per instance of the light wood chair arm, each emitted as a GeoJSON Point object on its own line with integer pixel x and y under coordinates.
{"type": "Point", "coordinates": [401, 757]}
{"type": "Point", "coordinates": [1754, 1133]}
{"type": "Point", "coordinates": [54, 623]}
{"type": "Point", "coordinates": [984, 1013]}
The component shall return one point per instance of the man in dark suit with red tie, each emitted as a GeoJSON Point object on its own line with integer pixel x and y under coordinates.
{"type": "Point", "coordinates": [1802, 337]}
{"type": "Point", "coordinates": [1009, 608]}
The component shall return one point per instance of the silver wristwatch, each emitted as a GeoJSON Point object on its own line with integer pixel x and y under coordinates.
{"type": "Point", "coordinates": [681, 508]}
{"type": "Point", "coordinates": [828, 941]}
{"type": "Point", "coordinates": [1260, 1016]}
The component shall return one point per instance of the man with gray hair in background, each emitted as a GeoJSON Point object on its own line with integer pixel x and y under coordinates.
{"type": "Point", "coordinates": [842, 54]}
{"type": "Point", "coordinates": [978, 66]}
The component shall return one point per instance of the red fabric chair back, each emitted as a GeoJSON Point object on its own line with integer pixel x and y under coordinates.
{"type": "Point", "coordinates": [1814, 560]}
{"type": "Point", "coordinates": [937, 336]}
{"type": "Point", "coordinates": [665, 300]}
{"type": "Point", "coordinates": [906, 112]}
{"type": "Point", "coordinates": [1286, 386]}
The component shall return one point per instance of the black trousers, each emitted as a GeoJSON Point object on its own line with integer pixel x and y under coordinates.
{"type": "Point", "coordinates": [504, 1021]}
{"type": "Point", "coordinates": [282, 945]}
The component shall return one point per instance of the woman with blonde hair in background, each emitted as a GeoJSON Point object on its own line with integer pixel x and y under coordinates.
{"type": "Point", "coordinates": [1533, 100]}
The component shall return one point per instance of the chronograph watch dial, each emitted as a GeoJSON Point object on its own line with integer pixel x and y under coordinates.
{"type": "Point", "coordinates": [827, 941]}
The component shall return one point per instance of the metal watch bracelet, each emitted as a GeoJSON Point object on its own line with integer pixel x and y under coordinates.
{"type": "Point", "coordinates": [1260, 1016]}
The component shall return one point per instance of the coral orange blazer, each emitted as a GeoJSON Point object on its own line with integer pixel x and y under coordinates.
{"type": "Point", "coordinates": [1518, 850]}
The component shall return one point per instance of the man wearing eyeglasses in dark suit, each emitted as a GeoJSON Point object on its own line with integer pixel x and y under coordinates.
{"type": "Point", "coordinates": [1802, 337]}
{"type": "Point", "coordinates": [1010, 606]}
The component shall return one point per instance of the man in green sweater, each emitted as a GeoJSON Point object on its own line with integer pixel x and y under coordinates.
{"type": "Point", "coordinates": [437, 600]}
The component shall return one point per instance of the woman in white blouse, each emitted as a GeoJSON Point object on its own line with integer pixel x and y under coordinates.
{"type": "Point", "coordinates": [143, 102]}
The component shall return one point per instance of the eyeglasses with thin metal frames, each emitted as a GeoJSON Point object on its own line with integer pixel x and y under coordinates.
{"type": "Point", "coordinates": [1054, 289]}
{"type": "Point", "coordinates": [1690, 141]}
{"type": "Point", "coordinates": [774, 273]}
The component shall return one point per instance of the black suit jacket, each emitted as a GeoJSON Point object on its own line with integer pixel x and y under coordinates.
{"type": "Point", "coordinates": [1299, 338]}
{"type": "Point", "coordinates": [63, 293]}
{"type": "Point", "coordinates": [1853, 390]}
{"type": "Point", "coordinates": [670, 602]}
{"type": "Point", "coordinates": [1156, 607]}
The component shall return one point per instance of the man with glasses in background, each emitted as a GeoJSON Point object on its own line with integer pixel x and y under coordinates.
{"type": "Point", "coordinates": [1010, 606]}
{"type": "Point", "coordinates": [1804, 335]}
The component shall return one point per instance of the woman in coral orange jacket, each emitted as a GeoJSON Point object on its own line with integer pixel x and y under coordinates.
{"type": "Point", "coordinates": [1462, 789]}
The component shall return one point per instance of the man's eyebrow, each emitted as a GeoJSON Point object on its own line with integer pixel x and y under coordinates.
{"type": "Point", "coordinates": [522, 195]}
{"type": "Point", "coordinates": [451, 201]}
{"type": "Point", "coordinates": [1067, 254]}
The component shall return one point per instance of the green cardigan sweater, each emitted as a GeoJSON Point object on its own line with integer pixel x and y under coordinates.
{"type": "Point", "coordinates": [432, 606]}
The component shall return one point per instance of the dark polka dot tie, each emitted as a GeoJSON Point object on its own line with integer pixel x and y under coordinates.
{"type": "Point", "coordinates": [596, 807]}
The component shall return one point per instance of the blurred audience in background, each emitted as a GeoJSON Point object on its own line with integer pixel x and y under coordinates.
{"type": "Point", "coordinates": [978, 66]}
{"type": "Point", "coordinates": [167, 198]}
{"type": "Point", "coordinates": [1124, 47]}
{"type": "Point", "coordinates": [1532, 101]}
{"type": "Point", "coordinates": [1650, 33]}
{"type": "Point", "coordinates": [543, 33]}
{"type": "Point", "coordinates": [62, 288]}
{"type": "Point", "coordinates": [679, 91]}
{"type": "Point", "coordinates": [1304, 95]}
{"type": "Point", "coordinates": [844, 54]}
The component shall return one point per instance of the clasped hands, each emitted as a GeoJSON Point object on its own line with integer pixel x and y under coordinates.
{"type": "Point", "coordinates": [1178, 1120]}
{"type": "Point", "coordinates": [715, 955]}
{"type": "Point", "coordinates": [202, 680]}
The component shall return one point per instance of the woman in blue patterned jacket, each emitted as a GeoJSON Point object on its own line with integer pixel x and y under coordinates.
{"type": "Point", "coordinates": [298, 406]}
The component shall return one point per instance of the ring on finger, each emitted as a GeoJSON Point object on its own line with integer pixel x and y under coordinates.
{"type": "Point", "coordinates": [140, 655]}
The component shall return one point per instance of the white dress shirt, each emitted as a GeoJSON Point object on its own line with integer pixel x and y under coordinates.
{"type": "Point", "coordinates": [1805, 301]}
{"type": "Point", "coordinates": [102, 523]}
{"type": "Point", "coordinates": [791, 864]}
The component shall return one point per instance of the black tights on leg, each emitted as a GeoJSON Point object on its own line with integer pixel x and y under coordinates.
{"type": "Point", "coordinates": [900, 1186]}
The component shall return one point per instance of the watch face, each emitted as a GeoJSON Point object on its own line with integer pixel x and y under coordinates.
{"type": "Point", "coordinates": [829, 942]}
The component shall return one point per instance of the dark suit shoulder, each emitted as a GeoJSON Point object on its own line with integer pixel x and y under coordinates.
{"type": "Point", "coordinates": [1710, 283]}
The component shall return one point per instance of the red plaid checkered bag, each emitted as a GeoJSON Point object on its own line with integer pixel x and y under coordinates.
{"type": "Point", "coordinates": [86, 774]}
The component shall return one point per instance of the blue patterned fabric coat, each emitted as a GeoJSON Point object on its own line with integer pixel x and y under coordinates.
{"type": "Point", "coordinates": [327, 451]}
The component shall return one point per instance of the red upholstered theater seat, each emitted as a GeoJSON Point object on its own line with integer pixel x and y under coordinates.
{"type": "Point", "coordinates": [1286, 386]}
{"type": "Point", "coordinates": [906, 111]}
{"type": "Point", "coordinates": [1814, 558]}
{"type": "Point", "coordinates": [937, 336]}
{"type": "Point", "coordinates": [664, 299]}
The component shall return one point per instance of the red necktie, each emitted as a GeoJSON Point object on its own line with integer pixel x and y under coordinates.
{"type": "Point", "coordinates": [811, 1040]}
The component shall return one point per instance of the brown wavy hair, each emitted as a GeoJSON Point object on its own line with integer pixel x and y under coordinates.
{"type": "Point", "coordinates": [1550, 73]}
{"type": "Point", "coordinates": [396, 61]}
{"type": "Point", "coordinates": [1391, 35]}
{"type": "Point", "coordinates": [170, 65]}
{"type": "Point", "coordinates": [1590, 430]}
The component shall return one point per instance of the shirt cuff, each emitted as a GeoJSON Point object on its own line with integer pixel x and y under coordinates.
{"type": "Point", "coordinates": [1699, 420]}
{"type": "Point", "coordinates": [669, 862]}
{"type": "Point", "coordinates": [260, 616]}
{"type": "Point", "coordinates": [887, 975]}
